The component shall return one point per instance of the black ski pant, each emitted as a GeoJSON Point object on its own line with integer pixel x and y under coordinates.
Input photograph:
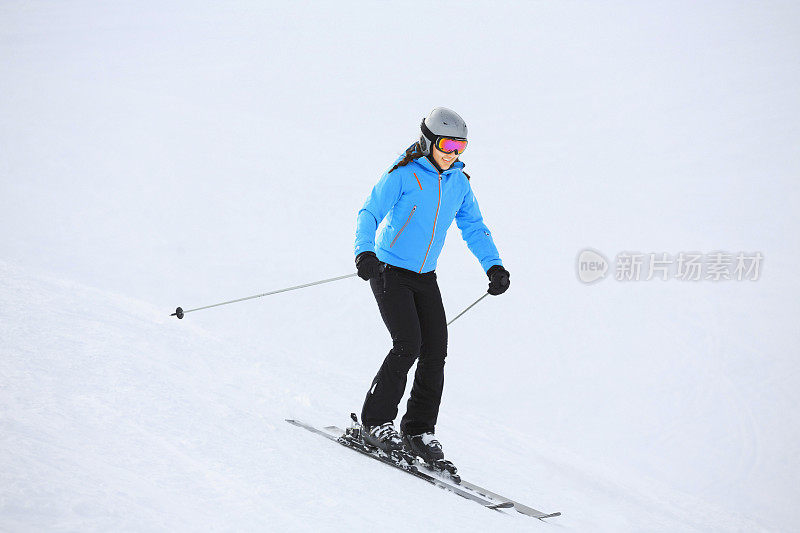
{"type": "Point", "coordinates": [411, 307]}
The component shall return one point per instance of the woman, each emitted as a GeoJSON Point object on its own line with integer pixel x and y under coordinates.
{"type": "Point", "coordinates": [419, 196]}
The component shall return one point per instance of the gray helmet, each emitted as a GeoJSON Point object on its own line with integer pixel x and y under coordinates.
{"type": "Point", "coordinates": [441, 122]}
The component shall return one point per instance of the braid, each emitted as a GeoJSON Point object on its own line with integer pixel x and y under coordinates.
{"type": "Point", "coordinates": [413, 152]}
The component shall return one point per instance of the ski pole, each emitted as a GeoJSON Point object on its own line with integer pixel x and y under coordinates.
{"type": "Point", "coordinates": [180, 312]}
{"type": "Point", "coordinates": [468, 308]}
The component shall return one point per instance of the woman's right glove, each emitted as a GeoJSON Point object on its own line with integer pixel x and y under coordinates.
{"type": "Point", "coordinates": [499, 280]}
{"type": "Point", "coordinates": [368, 265]}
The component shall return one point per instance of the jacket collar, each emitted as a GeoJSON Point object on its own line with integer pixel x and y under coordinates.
{"type": "Point", "coordinates": [425, 163]}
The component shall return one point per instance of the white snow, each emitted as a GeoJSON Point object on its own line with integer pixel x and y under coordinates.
{"type": "Point", "coordinates": [155, 155]}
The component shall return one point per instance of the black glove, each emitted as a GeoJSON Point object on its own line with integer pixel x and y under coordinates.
{"type": "Point", "coordinates": [499, 280]}
{"type": "Point", "coordinates": [368, 265]}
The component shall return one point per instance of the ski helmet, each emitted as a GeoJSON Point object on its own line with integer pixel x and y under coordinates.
{"type": "Point", "coordinates": [441, 122]}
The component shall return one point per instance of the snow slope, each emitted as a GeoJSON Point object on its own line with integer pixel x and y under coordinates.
{"type": "Point", "coordinates": [183, 154]}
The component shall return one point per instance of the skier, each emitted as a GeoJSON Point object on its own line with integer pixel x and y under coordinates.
{"type": "Point", "coordinates": [419, 195]}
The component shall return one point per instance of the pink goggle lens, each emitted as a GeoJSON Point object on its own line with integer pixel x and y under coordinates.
{"type": "Point", "coordinates": [447, 145]}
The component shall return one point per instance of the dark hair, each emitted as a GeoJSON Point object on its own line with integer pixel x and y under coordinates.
{"type": "Point", "coordinates": [414, 152]}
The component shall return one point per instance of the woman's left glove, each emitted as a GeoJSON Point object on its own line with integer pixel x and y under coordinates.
{"type": "Point", "coordinates": [368, 265]}
{"type": "Point", "coordinates": [499, 280]}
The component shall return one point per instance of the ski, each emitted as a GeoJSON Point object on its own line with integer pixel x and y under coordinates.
{"type": "Point", "coordinates": [519, 507]}
{"type": "Point", "coordinates": [455, 478]}
{"type": "Point", "coordinates": [408, 468]}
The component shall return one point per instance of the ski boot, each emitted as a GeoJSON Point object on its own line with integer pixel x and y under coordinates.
{"type": "Point", "coordinates": [384, 437]}
{"type": "Point", "coordinates": [427, 448]}
{"type": "Point", "coordinates": [383, 441]}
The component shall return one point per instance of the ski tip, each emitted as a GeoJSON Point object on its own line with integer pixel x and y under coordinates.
{"type": "Point", "coordinates": [551, 515]}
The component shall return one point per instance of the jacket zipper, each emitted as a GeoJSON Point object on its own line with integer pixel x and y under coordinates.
{"type": "Point", "coordinates": [411, 214]}
{"type": "Point", "coordinates": [435, 218]}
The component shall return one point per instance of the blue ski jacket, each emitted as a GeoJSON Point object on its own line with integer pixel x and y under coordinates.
{"type": "Point", "coordinates": [419, 205]}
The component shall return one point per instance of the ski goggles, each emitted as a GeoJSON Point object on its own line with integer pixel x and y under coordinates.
{"type": "Point", "coordinates": [449, 145]}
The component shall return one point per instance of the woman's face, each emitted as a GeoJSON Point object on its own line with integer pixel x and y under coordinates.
{"type": "Point", "coordinates": [442, 159]}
